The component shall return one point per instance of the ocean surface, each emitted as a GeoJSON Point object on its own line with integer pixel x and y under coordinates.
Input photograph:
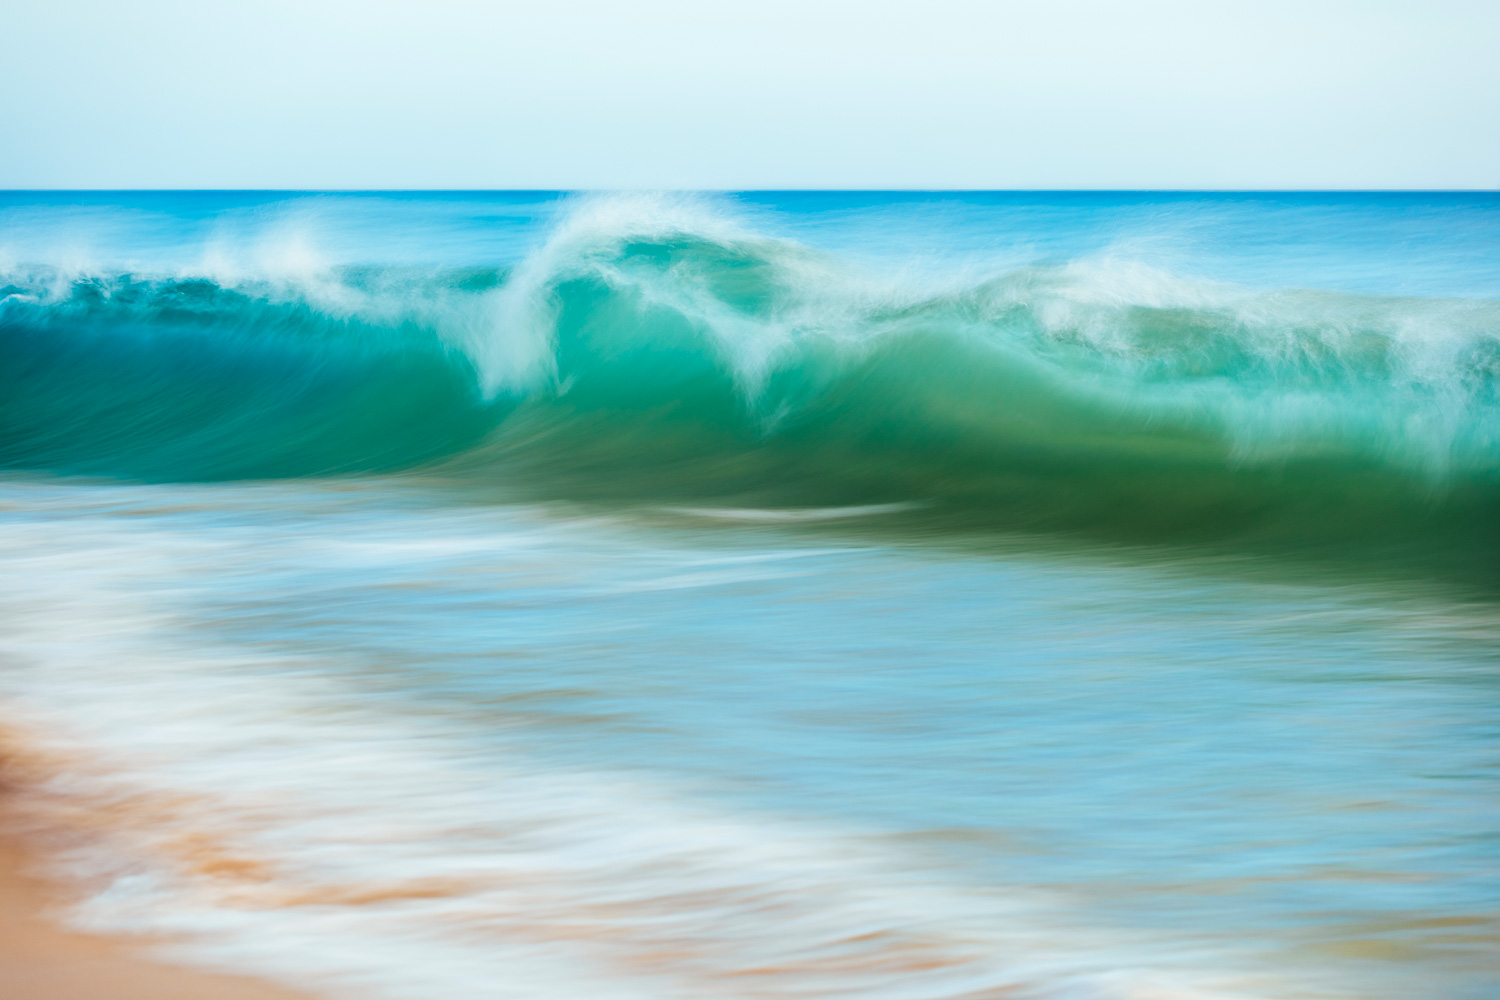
{"type": "Point", "coordinates": [794, 595]}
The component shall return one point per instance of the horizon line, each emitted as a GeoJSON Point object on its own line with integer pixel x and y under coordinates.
{"type": "Point", "coordinates": [730, 190]}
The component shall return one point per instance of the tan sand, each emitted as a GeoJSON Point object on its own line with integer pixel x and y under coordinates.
{"type": "Point", "coordinates": [41, 961]}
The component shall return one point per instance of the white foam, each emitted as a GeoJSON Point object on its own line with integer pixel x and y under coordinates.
{"type": "Point", "coordinates": [270, 821]}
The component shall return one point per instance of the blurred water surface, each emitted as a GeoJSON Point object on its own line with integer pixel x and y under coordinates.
{"type": "Point", "coordinates": [762, 596]}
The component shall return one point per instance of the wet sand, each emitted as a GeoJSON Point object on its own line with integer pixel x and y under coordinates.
{"type": "Point", "coordinates": [39, 960]}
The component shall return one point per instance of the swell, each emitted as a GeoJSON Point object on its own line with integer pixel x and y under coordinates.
{"type": "Point", "coordinates": [665, 356]}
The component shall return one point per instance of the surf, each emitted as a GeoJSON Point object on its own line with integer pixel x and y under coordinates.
{"type": "Point", "coordinates": [668, 351]}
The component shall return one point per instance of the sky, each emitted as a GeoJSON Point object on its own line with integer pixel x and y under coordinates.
{"type": "Point", "coordinates": [754, 94]}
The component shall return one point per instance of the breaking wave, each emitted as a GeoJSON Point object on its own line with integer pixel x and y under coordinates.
{"type": "Point", "coordinates": [661, 350]}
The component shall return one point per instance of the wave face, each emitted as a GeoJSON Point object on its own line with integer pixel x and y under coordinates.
{"type": "Point", "coordinates": [669, 349]}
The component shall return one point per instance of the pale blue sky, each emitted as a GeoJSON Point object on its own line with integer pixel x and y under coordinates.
{"type": "Point", "coordinates": [668, 93]}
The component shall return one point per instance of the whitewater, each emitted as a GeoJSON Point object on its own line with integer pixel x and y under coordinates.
{"type": "Point", "coordinates": [512, 595]}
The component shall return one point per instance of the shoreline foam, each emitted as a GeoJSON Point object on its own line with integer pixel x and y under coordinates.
{"type": "Point", "coordinates": [42, 960]}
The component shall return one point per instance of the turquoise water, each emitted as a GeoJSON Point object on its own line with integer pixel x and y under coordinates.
{"type": "Point", "coordinates": [523, 595]}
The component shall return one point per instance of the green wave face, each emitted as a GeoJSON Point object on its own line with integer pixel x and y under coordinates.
{"type": "Point", "coordinates": [663, 361]}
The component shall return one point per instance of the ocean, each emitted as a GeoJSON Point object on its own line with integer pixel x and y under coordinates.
{"type": "Point", "coordinates": [909, 596]}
